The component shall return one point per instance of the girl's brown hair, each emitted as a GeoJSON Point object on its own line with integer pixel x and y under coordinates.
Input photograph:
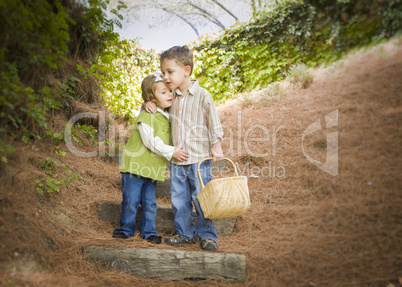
{"type": "Point", "coordinates": [148, 87]}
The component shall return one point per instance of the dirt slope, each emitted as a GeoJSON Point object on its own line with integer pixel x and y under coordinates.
{"type": "Point", "coordinates": [305, 227]}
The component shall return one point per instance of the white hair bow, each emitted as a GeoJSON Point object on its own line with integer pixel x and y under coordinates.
{"type": "Point", "coordinates": [158, 77]}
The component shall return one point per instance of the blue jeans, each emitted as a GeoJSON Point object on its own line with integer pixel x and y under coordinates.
{"type": "Point", "coordinates": [138, 190]}
{"type": "Point", "coordinates": [184, 187]}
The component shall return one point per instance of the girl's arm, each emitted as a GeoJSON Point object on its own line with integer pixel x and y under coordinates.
{"type": "Point", "coordinates": [156, 144]}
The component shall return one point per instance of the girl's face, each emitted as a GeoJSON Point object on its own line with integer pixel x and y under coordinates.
{"type": "Point", "coordinates": [163, 96]}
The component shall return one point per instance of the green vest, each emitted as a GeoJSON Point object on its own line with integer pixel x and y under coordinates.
{"type": "Point", "coordinates": [137, 158]}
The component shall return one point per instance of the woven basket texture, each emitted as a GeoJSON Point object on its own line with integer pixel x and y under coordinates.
{"type": "Point", "coordinates": [224, 197]}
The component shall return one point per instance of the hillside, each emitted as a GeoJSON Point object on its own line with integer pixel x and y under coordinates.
{"type": "Point", "coordinates": [305, 227]}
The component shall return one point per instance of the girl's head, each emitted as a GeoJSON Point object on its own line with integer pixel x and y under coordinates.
{"type": "Point", "coordinates": [154, 90]}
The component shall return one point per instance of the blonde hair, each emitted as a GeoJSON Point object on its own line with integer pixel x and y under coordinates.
{"type": "Point", "coordinates": [181, 54]}
{"type": "Point", "coordinates": [148, 87]}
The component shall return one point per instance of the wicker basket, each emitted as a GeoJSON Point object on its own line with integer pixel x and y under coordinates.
{"type": "Point", "coordinates": [223, 197]}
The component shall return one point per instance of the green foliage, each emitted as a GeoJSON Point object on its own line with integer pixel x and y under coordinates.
{"type": "Point", "coordinates": [37, 32]}
{"type": "Point", "coordinates": [37, 36]}
{"type": "Point", "coordinates": [52, 183]}
{"type": "Point", "coordinates": [89, 132]}
{"type": "Point", "coordinates": [122, 67]}
{"type": "Point", "coordinates": [113, 148]}
{"type": "Point", "coordinates": [5, 149]}
{"type": "Point", "coordinates": [252, 55]}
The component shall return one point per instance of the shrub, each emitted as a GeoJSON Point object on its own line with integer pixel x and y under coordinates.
{"type": "Point", "coordinates": [300, 73]}
{"type": "Point", "coordinates": [37, 38]}
{"type": "Point", "coordinates": [246, 101]}
{"type": "Point", "coordinates": [272, 93]}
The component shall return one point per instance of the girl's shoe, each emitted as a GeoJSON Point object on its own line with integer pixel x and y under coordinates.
{"type": "Point", "coordinates": [178, 239]}
{"type": "Point", "coordinates": [119, 235]}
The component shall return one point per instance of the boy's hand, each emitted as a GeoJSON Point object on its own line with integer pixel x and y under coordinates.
{"type": "Point", "coordinates": [150, 107]}
{"type": "Point", "coordinates": [180, 154]}
{"type": "Point", "coordinates": [217, 153]}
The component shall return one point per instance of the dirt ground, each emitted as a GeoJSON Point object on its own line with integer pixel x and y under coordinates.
{"type": "Point", "coordinates": [338, 224]}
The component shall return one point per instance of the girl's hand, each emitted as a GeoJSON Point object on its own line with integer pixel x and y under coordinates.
{"type": "Point", "coordinates": [180, 154]}
{"type": "Point", "coordinates": [150, 107]}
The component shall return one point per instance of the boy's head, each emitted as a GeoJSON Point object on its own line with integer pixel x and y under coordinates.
{"type": "Point", "coordinates": [154, 90]}
{"type": "Point", "coordinates": [181, 54]}
{"type": "Point", "coordinates": [177, 66]}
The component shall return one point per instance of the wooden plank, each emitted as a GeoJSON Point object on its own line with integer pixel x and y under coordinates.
{"type": "Point", "coordinates": [169, 264]}
{"type": "Point", "coordinates": [109, 211]}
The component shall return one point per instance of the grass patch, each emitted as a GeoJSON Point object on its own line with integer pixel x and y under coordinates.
{"type": "Point", "coordinates": [300, 73]}
{"type": "Point", "coordinates": [273, 93]}
{"type": "Point", "coordinates": [246, 101]}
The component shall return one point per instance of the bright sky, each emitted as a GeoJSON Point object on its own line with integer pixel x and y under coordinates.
{"type": "Point", "coordinates": [163, 37]}
{"type": "Point", "coordinates": [158, 38]}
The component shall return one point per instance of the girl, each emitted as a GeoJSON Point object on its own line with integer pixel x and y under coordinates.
{"type": "Point", "coordinates": [144, 161]}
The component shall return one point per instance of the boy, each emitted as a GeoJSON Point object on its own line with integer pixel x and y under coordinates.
{"type": "Point", "coordinates": [195, 126]}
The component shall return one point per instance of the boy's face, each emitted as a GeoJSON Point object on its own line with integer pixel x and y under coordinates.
{"type": "Point", "coordinates": [174, 74]}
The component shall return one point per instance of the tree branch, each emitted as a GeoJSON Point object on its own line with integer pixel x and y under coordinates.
{"type": "Point", "coordinates": [206, 13]}
{"type": "Point", "coordinates": [227, 10]}
{"type": "Point", "coordinates": [182, 18]}
{"type": "Point", "coordinates": [208, 18]}
{"type": "Point", "coordinates": [253, 6]}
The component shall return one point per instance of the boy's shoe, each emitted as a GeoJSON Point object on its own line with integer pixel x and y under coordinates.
{"type": "Point", "coordinates": [155, 239]}
{"type": "Point", "coordinates": [178, 239]}
{"type": "Point", "coordinates": [209, 244]}
{"type": "Point", "coordinates": [119, 235]}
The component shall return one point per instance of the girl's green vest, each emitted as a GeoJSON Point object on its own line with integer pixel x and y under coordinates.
{"type": "Point", "coordinates": [137, 158]}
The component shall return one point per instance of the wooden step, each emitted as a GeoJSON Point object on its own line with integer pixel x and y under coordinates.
{"type": "Point", "coordinates": [109, 211]}
{"type": "Point", "coordinates": [169, 264]}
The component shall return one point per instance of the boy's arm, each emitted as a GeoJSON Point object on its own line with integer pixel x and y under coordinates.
{"type": "Point", "coordinates": [214, 127]}
{"type": "Point", "coordinates": [149, 106]}
{"type": "Point", "coordinates": [217, 153]}
{"type": "Point", "coordinates": [156, 144]}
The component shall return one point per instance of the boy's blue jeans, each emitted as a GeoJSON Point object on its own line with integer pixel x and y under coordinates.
{"type": "Point", "coordinates": [138, 190]}
{"type": "Point", "coordinates": [184, 187]}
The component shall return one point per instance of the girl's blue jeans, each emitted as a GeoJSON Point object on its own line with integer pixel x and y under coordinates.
{"type": "Point", "coordinates": [184, 187]}
{"type": "Point", "coordinates": [138, 190]}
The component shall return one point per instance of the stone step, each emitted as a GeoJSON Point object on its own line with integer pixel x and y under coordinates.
{"type": "Point", "coordinates": [168, 264]}
{"type": "Point", "coordinates": [163, 189]}
{"type": "Point", "coordinates": [109, 211]}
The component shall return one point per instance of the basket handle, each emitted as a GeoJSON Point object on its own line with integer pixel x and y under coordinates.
{"type": "Point", "coordinates": [208, 158]}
